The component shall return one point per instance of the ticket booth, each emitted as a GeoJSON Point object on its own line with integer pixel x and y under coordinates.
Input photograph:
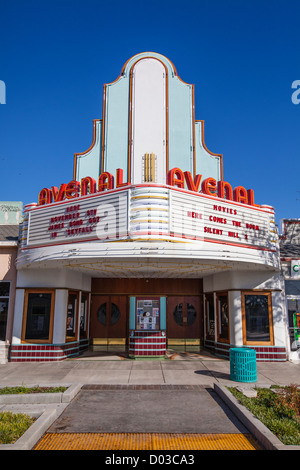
{"type": "Point", "coordinates": [147, 327]}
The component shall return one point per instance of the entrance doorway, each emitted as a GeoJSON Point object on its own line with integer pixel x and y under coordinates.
{"type": "Point", "coordinates": [109, 322]}
{"type": "Point", "coordinates": [184, 323]}
{"type": "Point", "coordinates": [116, 313]}
{"type": "Point", "coordinates": [293, 308]}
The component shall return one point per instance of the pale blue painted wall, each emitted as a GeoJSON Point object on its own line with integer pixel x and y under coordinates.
{"type": "Point", "coordinates": [180, 125]}
{"type": "Point", "coordinates": [88, 164]}
{"type": "Point", "coordinates": [116, 126]}
{"type": "Point", "coordinates": [163, 313]}
{"type": "Point", "coordinates": [117, 129]}
{"type": "Point", "coordinates": [11, 212]}
{"type": "Point", "coordinates": [131, 313]}
{"type": "Point", "coordinates": [207, 165]}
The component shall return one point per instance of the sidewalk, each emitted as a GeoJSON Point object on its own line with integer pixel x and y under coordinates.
{"type": "Point", "coordinates": [181, 369]}
{"type": "Point", "coordinates": [116, 396]}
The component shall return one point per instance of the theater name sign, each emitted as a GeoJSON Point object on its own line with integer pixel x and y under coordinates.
{"type": "Point", "coordinates": [186, 208]}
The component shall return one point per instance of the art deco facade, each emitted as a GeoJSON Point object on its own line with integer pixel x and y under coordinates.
{"type": "Point", "coordinates": [148, 249]}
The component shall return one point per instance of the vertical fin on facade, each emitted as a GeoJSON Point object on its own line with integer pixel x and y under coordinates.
{"type": "Point", "coordinates": [148, 116]}
{"type": "Point", "coordinates": [148, 107]}
{"type": "Point", "coordinates": [149, 174]}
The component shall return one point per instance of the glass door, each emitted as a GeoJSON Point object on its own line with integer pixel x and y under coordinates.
{"type": "Point", "coordinates": [293, 307]}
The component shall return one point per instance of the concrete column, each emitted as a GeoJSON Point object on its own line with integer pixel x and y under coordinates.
{"type": "Point", "coordinates": [60, 316]}
{"type": "Point", "coordinates": [18, 316]}
{"type": "Point", "coordinates": [235, 317]}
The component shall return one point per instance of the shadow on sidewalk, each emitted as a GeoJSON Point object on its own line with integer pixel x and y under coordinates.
{"type": "Point", "coordinates": [212, 373]}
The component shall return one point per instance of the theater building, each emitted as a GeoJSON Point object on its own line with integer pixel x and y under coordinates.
{"type": "Point", "coordinates": [148, 247]}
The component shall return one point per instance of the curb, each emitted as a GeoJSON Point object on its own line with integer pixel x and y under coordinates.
{"type": "Point", "coordinates": [27, 441]}
{"type": "Point", "coordinates": [46, 418]}
{"type": "Point", "coordinates": [263, 435]}
{"type": "Point", "coordinates": [34, 433]}
{"type": "Point", "coordinates": [41, 398]}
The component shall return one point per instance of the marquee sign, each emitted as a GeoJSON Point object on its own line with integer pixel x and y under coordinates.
{"type": "Point", "coordinates": [214, 220]}
{"type": "Point", "coordinates": [78, 213]}
{"type": "Point", "coordinates": [101, 217]}
{"type": "Point", "coordinates": [175, 177]}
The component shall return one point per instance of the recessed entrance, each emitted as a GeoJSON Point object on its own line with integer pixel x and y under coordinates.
{"type": "Point", "coordinates": [184, 323]}
{"type": "Point", "coordinates": [119, 312]}
{"type": "Point", "coordinates": [109, 322]}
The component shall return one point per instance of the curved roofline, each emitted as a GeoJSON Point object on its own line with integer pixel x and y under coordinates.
{"type": "Point", "coordinates": [154, 55]}
{"type": "Point", "coordinates": [147, 55]}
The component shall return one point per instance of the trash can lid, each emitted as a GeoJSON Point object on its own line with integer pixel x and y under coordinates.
{"type": "Point", "coordinates": [242, 349]}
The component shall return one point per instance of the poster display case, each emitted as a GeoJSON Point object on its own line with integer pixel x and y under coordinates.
{"type": "Point", "coordinates": [147, 338]}
{"type": "Point", "coordinates": [147, 314]}
{"type": "Point", "coordinates": [72, 312]}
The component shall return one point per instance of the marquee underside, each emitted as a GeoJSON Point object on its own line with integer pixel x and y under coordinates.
{"type": "Point", "coordinates": [148, 266]}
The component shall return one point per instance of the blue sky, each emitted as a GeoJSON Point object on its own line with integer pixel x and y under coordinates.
{"type": "Point", "coordinates": [242, 56]}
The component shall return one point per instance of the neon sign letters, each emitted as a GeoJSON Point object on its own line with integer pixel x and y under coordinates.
{"type": "Point", "coordinates": [176, 178]}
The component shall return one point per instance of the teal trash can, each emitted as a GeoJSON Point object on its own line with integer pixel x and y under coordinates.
{"type": "Point", "coordinates": [243, 364]}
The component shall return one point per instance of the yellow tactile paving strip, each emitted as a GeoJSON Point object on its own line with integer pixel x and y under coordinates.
{"type": "Point", "coordinates": [146, 441]}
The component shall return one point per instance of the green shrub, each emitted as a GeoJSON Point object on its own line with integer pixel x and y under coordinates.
{"type": "Point", "coordinates": [279, 412]}
{"type": "Point", "coordinates": [12, 426]}
{"type": "Point", "coordinates": [24, 389]}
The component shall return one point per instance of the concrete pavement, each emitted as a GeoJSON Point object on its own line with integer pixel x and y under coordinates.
{"type": "Point", "coordinates": [117, 393]}
{"type": "Point", "coordinates": [181, 369]}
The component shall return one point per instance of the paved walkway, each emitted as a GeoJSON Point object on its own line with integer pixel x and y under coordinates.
{"type": "Point", "coordinates": [170, 402]}
{"type": "Point", "coordinates": [181, 369]}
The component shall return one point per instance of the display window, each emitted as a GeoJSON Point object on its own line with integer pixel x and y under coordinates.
{"type": "Point", "coordinates": [223, 317]}
{"type": "Point", "coordinates": [84, 315]}
{"type": "Point", "coordinates": [38, 316]}
{"type": "Point", "coordinates": [72, 316]}
{"type": "Point", "coordinates": [147, 314]}
{"type": "Point", "coordinates": [257, 318]}
{"type": "Point", "coordinates": [4, 301]}
{"type": "Point", "coordinates": [293, 308]}
{"type": "Point", "coordinates": [209, 317]}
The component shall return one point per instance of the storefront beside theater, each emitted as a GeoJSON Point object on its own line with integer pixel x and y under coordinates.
{"type": "Point", "coordinates": [10, 218]}
{"type": "Point", "coordinates": [290, 268]}
{"type": "Point", "coordinates": [148, 248]}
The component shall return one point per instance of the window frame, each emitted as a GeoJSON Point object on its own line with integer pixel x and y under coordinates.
{"type": "Point", "coordinates": [270, 310]}
{"type": "Point", "coordinates": [209, 296]}
{"type": "Point", "coordinates": [75, 337]}
{"type": "Point", "coordinates": [142, 299]}
{"type": "Point", "coordinates": [25, 313]}
{"type": "Point", "coordinates": [87, 314]}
